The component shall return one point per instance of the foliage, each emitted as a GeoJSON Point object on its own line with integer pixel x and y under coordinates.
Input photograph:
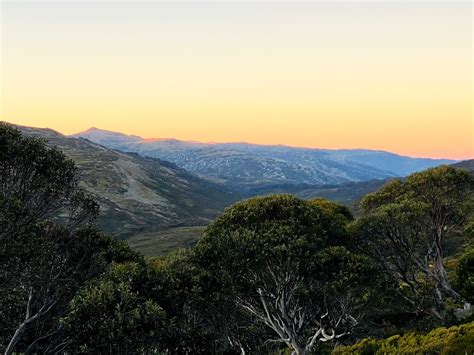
{"type": "Point", "coordinates": [111, 315]}
{"type": "Point", "coordinates": [160, 306]}
{"type": "Point", "coordinates": [338, 217]}
{"type": "Point", "coordinates": [174, 280]}
{"type": "Point", "coordinates": [270, 274]}
{"type": "Point", "coordinates": [405, 227]}
{"type": "Point", "coordinates": [50, 265]}
{"type": "Point", "coordinates": [334, 209]}
{"type": "Point", "coordinates": [275, 258]}
{"type": "Point", "coordinates": [48, 248]}
{"type": "Point", "coordinates": [453, 340]}
{"type": "Point", "coordinates": [465, 275]}
{"type": "Point", "coordinates": [41, 180]}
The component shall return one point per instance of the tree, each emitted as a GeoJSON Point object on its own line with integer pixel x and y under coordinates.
{"type": "Point", "coordinates": [112, 314]}
{"type": "Point", "coordinates": [40, 277]}
{"type": "Point", "coordinates": [465, 274]}
{"type": "Point", "coordinates": [335, 210]}
{"type": "Point", "coordinates": [274, 258]}
{"type": "Point", "coordinates": [174, 281]}
{"type": "Point", "coordinates": [405, 226]}
{"type": "Point", "coordinates": [42, 181]}
{"type": "Point", "coordinates": [47, 247]}
{"type": "Point", "coordinates": [161, 306]}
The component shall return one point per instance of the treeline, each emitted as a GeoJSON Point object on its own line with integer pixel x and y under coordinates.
{"type": "Point", "coordinates": [273, 274]}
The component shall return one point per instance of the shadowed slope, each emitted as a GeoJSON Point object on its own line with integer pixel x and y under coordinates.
{"type": "Point", "coordinates": [136, 194]}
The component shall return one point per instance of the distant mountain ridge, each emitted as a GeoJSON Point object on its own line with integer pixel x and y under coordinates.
{"type": "Point", "coordinates": [152, 202]}
{"type": "Point", "coordinates": [467, 165]}
{"type": "Point", "coordinates": [138, 194]}
{"type": "Point", "coordinates": [239, 165]}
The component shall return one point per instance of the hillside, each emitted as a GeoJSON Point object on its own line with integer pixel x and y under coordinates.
{"type": "Point", "coordinates": [163, 242]}
{"type": "Point", "coordinates": [242, 166]}
{"type": "Point", "coordinates": [467, 165]}
{"type": "Point", "coordinates": [349, 194]}
{"type": "Point", "coordinates": [144, 197]}
{"type": "Point", "coordinates": [346, 193]}
{"type": "Point", "coordinates": [136, 194]}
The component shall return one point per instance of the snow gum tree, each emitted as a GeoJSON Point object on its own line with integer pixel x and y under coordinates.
{"type": "Point", "coordinates": [277, 258]}
{"type": "Point", "coordinates": [406, 225]}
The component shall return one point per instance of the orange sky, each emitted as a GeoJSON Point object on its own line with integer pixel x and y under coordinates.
{"type": "Point", "coordinates": [395, 76]}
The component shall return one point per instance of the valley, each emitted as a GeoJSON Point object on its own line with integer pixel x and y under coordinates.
{"type": "Point", "coordinates": [178, 263]}
{"type": "Point", "coordinates": [158, 206]}
{"type": "Point", "coordinates": [163, 242]}
{"type": "Point", "coordinates": [138, 195]}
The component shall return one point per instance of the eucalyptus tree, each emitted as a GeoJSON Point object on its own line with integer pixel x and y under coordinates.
{"type": "Point", "coordinates": [115, 314]}
{"type": "Point", "coordinates": [405, 227]}
{"type": "Point", "coordinates": [48, 248]}
{"type": "Point", "coordinates": [277, 258]}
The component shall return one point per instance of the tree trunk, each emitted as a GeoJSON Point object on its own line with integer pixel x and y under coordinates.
{"type": "Point", "coordinates": [16, 337]}
{"type": "Point", "coordinates": [443, 282]}
{"type": "Point", "coordinates": [21, 328]}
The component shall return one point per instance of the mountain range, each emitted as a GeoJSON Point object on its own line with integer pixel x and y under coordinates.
{"type": "Point", "coordinates": [157, 205]}
{"type": "Point", "coordinates": [137, 194]}
{"type": "Point", "coordinates": [248, 167]}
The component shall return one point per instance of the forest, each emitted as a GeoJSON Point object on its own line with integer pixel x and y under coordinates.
{"type": "Point", "coordinates": [272, 274]}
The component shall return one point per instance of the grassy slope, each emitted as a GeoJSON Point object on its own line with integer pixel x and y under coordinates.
{"type": "Point", "coordinates": [139, 195]}
{"type": "Point", "coordinates": [161, 243]}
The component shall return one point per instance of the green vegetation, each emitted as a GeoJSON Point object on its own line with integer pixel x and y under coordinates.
{"type": "Point", "coordinates": [465, 274]}
{"type": "Point", "coordinates": [405, 226]}
{"type": "Point", "coordinates": [112, 313]}
{"type": "Point", "coordinates": [138, 195]}
{"type": "Point", "coordinates": [282, 261]}
{"type": "Point", "coordinates": [274, 274]}
{"type": "Point", "coordinates": [48, 247]}
{"type": "Point", "coordinates": [453, 340]}
{"type": "Point", "coordinates": [164, 242]}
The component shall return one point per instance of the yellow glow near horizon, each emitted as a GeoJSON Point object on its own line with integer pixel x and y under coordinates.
{"type": "Point", "coordinates": [391, 76]}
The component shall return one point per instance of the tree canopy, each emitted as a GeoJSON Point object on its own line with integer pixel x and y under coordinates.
{"type": "Point", "coordinates": [275, 259]}
{"type": "Point", "coordinates": [48, 246]}
{"type": "Point", "coordinates": [406, 225]}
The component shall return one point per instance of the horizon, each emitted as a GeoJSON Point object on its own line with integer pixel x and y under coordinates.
{"type": "Point", "coordinates": [151, 139]}
{"type": "Point", "coordinates": [390, 76]}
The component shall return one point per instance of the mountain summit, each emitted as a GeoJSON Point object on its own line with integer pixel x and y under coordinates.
{"type": "Point", "coordinates": [137, 194]}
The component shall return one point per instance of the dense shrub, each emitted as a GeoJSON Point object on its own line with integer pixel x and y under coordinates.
{"type": "Point", "coordinates": [465, 275]}
{"type": "Point", "coordinates": [454, 340]}
{"type": "Point", "coordinates": [113, 314]}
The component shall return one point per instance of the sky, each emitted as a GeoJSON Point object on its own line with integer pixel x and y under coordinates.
{"type": "Point", "coordinates": [388, 75]}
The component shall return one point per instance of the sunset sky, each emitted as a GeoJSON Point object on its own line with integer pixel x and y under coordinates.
{"type": "Point", "coordinates": [395, 76]}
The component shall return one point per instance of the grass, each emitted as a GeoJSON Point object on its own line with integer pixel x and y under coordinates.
{"type": "Point", "coordinates": [162, 242]}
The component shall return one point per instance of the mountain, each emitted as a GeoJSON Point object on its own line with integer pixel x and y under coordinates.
{"type": "Point", "coordinates": [137, 194]}
{"type": "Point", "coordinates": [242, 165]}
{"type": "Point", "coordinates": [467, 165]}
{"type": "Point", "coordinates": [347, 193]}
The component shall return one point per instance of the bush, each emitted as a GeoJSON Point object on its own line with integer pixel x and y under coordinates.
{"type": "Point", "coordinates": [465, 275]}
{"type": "Point", "coordinates": [454, 340]}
